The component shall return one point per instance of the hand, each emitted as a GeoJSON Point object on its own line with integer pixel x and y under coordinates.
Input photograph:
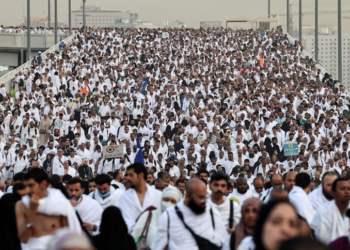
{"type": "Point", "coordinates": [230, 230]}
{"type": "Point", "coordinates": [88, 226]}
{"type": "Point", "coordinates": [73, 202]}
{"type": "Point", "coordinates": [34, 203]}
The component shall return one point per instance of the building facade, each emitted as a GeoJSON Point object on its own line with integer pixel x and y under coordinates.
{"type": "Point", "coordinates": [328, 54]}
{"type": "Point", "coordinates": [97, 17]}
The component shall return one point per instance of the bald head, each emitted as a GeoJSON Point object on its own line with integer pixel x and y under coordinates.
{"type": "Point", "coordinates": [276, 181]}
{"type": "Point", "coordinates": [2, 186]}
{"type": "Point", "coordinates": [195, 185]}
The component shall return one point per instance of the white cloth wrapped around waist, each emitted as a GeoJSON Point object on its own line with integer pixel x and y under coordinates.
{"type": "Point", "coordinates": [40, 243]}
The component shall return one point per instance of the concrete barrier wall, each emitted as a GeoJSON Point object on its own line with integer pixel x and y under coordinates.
{"type": "Point", "coordinates": [17, 40]}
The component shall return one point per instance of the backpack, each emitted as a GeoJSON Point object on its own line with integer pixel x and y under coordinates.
{"type": "Point", "coordinates": [232, 212]}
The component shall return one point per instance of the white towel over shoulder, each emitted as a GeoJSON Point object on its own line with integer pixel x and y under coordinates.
{"type": "Point", "coordinates": [55, 204]}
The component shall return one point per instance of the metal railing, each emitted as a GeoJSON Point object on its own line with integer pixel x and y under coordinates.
{"type": "Point", "coordinates": [304, 54]}
{"type": "Point", "coordinates": [6, 79]}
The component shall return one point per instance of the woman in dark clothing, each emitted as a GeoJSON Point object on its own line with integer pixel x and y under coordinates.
{"type": "Point", "coordinates": [178, 145]}
{"type": "Point", "coordinates": [268, 146]}
{"type": "Point", "coordinates": [84, 126]}
{"type": "Point", "coordinates": [47, 163]}
{"type": "Point", "coordinates": [175, 130]}
{"type": "Point", "coordinates": [8, 225]}
{"type": "Point", "coordinates": [272, 147]}
{"type": "Point", "coordinates": [167, 133]}
{"type": "Point", "coordinates": [113, 232]}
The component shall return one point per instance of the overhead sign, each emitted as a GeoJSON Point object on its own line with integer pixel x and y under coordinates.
{"type": "Point", "coordinates": [113, 151]}
{"type": "Point", "coordinates": [290, 148]}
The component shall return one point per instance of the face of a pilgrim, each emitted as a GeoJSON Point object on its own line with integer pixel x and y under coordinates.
{"type": "Point", "coordinates": [197, 199]}
{"type": "Point", "coordinates": [92, 186]}
{"type": "Point", "coordinates": [342, 191]}
{"type": "Point", "coordinates": [134, 178]}
{"type": "Point", "coordinates": [250, 216]}
{"type": "Point", "coordinates": [103, 189]}
{"type": "Point", "coordinates": [218, 188]}
{"type": "Point", "coordinates": [289, 182]}
{"type": "Point", "coordinates": [242, 186]}
{"type": "Point", "coordinates": [282, 224]}
{"type": "Point", "coordinates": [149, 179]}
{"type": "Point", "coordinates": [35, 188]}
{"type": "Point", "coordinates": [327, 185]}
{"type": "Point", "coordinates": [75, 190]}
{"type": "Point", "coordinates": [181, 187]}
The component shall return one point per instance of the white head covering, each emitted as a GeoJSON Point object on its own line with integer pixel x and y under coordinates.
{"type": "Point", "coordinates": [172, 192]}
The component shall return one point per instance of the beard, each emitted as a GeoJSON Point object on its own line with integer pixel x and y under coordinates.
{"type": "Point", "coordinates": [195, 208]}
{"type": "Point", "coordinates": [327, 195]}
{"type": "Point", "coordinates": [242, 191]}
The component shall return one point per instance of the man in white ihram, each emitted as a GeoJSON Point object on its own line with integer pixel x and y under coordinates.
{"type": "Point", "coordinates": [298, 197]}
{"type": "Point", "coordinates": [139, 197]}
{"type": "Point", "coordinates": [191, 218]}
{"type": "Point", "coordinates": [105, 194]}
{"type": "Point", "coordinates": [323, 195]}
{"type": "Point", "coordinates": [89, 210]}
{"type": "Point", "coordinates": [42, 212]}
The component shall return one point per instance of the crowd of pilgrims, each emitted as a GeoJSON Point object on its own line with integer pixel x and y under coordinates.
{"type": "Point", "coordinates": [36, 30]}
{"type": "Point", "coordinates": [203, 117]}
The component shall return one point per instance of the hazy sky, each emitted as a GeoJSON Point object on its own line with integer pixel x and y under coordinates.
{"type": "Point", "coordinates": [189, 11]}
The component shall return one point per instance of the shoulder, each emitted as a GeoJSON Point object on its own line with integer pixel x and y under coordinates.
{"type": "Point", "coordinates": [325, 208]}
{"type": "Point", "coordinates": [315, 194]}
{"type": "Point", "coordinates": [20, 207]}
{"type": "Point", "coordinates": [127, 194]}
{"type": "Point", "coordinates": [153, 191]}
{"type": "Point", "coordinates": [118, 191]}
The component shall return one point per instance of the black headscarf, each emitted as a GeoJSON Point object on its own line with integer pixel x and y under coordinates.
{"type": "Point", "coordinates": [178, 146]}
{"type": "Point", "coordinates": [47, 163]}
{"type": "Point", "coordinates": [265, 211]}
{"type": "Point", "coordinates": [113, 232]}
{"type": "Point", "coordinates": [8, 224]}
{"type": "Point", "coordinates": [167, 133]}
{"type": "Point", "coordinates": [85, 127]}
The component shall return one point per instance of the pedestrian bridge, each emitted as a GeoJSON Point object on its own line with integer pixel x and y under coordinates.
{"type": "Point", "coordinates": [38, 44]}
{"type": "Point", "coordinates": [13, 46]}
{"type": "Point", "coordinates": [17, 44]}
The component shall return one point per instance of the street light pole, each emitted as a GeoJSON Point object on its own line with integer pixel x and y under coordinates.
{"type": "Point", "coordinates": [49, 14]}
{"type": "Point", "coordinates": [28, 31]}
{"type": "Point", "coordinates": [300, 22]}
{"type": "Point", "coordinates": [316, 30]}
{"type": "Point", "coordinates": [70, 16]}
{"type": "Point", "coordinates": [340, 57]}
{"type": "Point", "coordinates": [269, 8]}
{"type": "Point", "coordinates": [55, 21]}
{"type": "Point", "coordinates": [84, 17]}
{"type": "Point", "coordinates": [288, 16]}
